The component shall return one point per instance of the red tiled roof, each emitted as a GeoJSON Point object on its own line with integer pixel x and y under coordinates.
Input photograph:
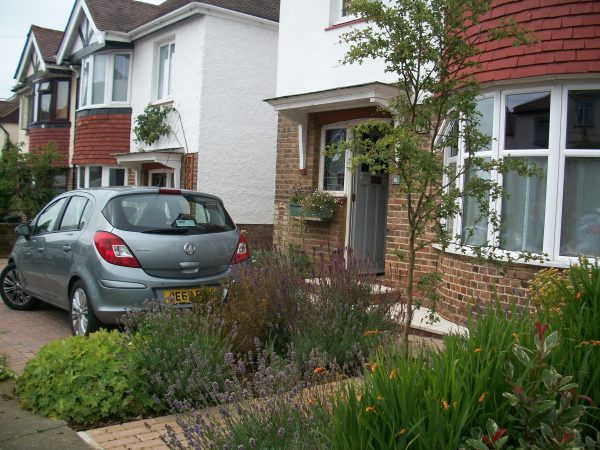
{"type": "Point", "coordinates": [48, 41]}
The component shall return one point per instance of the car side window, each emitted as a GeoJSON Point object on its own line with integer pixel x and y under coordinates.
{"type": "Point", "coordinates": [46, 222]}
{"type": "Point", "coordinates": [72, 218]}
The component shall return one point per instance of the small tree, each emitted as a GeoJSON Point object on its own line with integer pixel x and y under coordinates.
{"type": "Point", "coordinates": [431, 46]}
{"type": "Point", "coordinates": [27, 179]}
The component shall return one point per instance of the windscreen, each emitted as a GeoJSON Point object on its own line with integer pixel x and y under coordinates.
{"type": "Point", "coordinates": [168, 213]}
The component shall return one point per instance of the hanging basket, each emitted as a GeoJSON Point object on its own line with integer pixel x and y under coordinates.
{"type": "Point", "coordinates": [299, 212]}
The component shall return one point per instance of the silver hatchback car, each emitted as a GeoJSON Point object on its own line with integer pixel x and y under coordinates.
{"type": "Point", "coordinates": [101, 252]}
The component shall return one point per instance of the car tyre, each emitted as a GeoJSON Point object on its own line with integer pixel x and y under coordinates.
{"type": "Point", "coordinates": [81, 313]}
{"type": "Point", "coordinates": [12, 291]}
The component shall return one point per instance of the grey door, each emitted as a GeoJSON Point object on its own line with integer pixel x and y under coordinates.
{"type": "Point", "coordinates": [369, 217]}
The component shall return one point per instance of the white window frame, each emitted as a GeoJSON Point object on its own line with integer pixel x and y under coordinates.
{"type": "Point", "coordinates": [169, 80]}
{"type": "Point", "coordinates": [347, 173]}
{"type": "Point", "coordinates": [108, 81]}
{"type": "Point", "coordinates": [105, 175]}
{"type": "Point", "coordinates": [170, 176]}
{"type": "Point", "coordinates": [556, 155]}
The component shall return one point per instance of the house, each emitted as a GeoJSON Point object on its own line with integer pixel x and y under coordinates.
{"type": "Point", "coordinates": [540, 102]}
{"type": "Point", "coordinates": [9, 121]}
{"type": "Point", "coordinates": [212, 63]}
{"type": "Point", "coordinates": [46, 92]}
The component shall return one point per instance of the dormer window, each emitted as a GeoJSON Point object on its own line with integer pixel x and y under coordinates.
{"type": "Point", "coordinates": [52, 100]}
{"type": "Point", "coordinates": [105, 80]}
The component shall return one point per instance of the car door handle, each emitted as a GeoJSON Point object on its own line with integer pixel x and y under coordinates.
{"type": "Point", "coordinates": [66, 248]}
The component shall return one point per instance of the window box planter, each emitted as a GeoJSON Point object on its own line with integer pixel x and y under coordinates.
{"type": "Point", "coordinates": [299, 212]}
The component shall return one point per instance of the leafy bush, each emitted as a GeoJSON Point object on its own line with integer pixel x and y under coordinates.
{"type": "Point", "coordinates": [83, 380]}
{"type": "Point", "coordinates": [178, 352]}
{"type": "Point", "coordinates": [570, 303]}
{"type": "Point", "coordinates": [430, 400]}
{"type": "Point", "coordinates": [5, 372]}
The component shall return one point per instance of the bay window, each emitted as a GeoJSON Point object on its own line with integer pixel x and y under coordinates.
{"type": "Point", "coordinates": [556, 212]}
{"type": "Point", "coordinates": [51, 100]}
{"type": "Point", "coordinates": [105, 80]}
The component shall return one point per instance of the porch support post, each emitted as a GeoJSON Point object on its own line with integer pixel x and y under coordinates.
{"type": "Point", "coordinates": [302, 143]}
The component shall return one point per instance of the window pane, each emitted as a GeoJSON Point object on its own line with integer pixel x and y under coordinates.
{"type": "Point", "coordinates": [81, 177]}
{"type": "Point", "coordinates": [485, 107]}
{"type": "Point", "coordinates": [47, 219]}
{"type": "Point", "coordinates": [527, 121]}
{"type": "Point", "coordinates": [345, 6]}
{"type": "Point", "coordinates": [524, 209]}
{"type": "Point", "coordinates": [95, 176]}
{"type": "Point", "coordinates": [72, 216]}
{"type": "Point", "coordinates": [580, 230]}
{"type": "Point", "coordinates": [62, 100]}
{"type": "Point", "coordinates": [474, 227]}
{"type": "Point", "coordinates": [120, 78]}
{"type": "Point", "coordinates": [116, 177]}
{"type": "Point", "coordinates": [335, 166]}
{"type": "Point", "coordinates": [85, 72]}
{"type": "Point", "coordinates": [59, 182]}
{"type": "Point", "coordinates": [44, 107]}
{"type": "Point", "coordinates": [454, 131]}
{"type": "Point", "coordinates": [99, 79]}
{"type": "Point", "coordinates": [163, 71]}
{"type": "Point", "coordinates": [583, 120]}
{"type": "Point", "coordinates": [171, 56]}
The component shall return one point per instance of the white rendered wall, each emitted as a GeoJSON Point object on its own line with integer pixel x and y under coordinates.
{"type": "Point", "coordinates": [309, 54]}
{"type": "Point", "coordinates": [188, 36]}
{"type": "Point", "coordinates": [238, 130]}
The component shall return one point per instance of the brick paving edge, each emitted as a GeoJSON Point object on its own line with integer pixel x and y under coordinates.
{"type": "Point", "coordinates": [89, 440]}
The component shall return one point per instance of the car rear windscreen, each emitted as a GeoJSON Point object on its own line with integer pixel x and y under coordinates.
{"type": "Point", "coordinates": [168, 213]}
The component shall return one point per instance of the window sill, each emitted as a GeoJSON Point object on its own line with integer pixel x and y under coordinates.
{"type": "Point", "coordinates": [562, 263]}
{"type": "Point", "coordinates": [346, 22]}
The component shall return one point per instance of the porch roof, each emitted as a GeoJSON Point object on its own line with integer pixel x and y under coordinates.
{"type": "Point", "coordinates": [170, 158]}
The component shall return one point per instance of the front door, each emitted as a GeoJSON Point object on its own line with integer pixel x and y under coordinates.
{"type": "Point", "coordinates": [369, 217]}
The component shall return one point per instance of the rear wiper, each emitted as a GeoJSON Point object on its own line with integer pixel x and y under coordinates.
{"type": "Point", "coordinates": [167, 231]}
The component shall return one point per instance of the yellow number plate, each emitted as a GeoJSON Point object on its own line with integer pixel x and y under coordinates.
{"type": "Point", "coordinates": [188, 295]}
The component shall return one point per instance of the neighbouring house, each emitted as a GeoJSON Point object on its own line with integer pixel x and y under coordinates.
{"type": "Point", "coordinates": [213, 62]}
{"type": "Point", "coordinates": [9, 121]}
{"type": "Point", "coordinates": [540, 102]}
{"type": "Point", "coordinates": [46, 93]}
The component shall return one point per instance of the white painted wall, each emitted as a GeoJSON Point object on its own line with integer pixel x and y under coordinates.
{"type": "Point", "coordinates": [238, 130]}
{"type": "Point", "coordinates": [309, 54]}
{"type": "Point", "coordinates": [223, 70]}
{"type": "Point", "coordinates": [187, 82]}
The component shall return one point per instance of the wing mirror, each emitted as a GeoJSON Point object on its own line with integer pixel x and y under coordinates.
{"type": "Point", "coordinates": [23, 230]}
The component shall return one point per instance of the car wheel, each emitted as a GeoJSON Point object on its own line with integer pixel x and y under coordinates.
{"type": "Point", "coordinates": [12, 292]}
{"type": "Point", "coordinates": [83, 318]}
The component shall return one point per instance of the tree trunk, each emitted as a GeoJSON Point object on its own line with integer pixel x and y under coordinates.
{"type": "Point", "coordinates": [410, 277]}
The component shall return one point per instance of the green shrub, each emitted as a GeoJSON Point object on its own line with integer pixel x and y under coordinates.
{"type": "Point", "coordinates": [431, 400]}
{"type": "Point", "coordinates": [83, 380]}
{"type": "Point", "coordinates": [5, 372]}
{"type": "Point", "coordinates": [178, 352]}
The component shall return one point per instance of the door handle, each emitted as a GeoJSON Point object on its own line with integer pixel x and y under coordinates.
{"type": "Point", "coordinates": [66, 248]}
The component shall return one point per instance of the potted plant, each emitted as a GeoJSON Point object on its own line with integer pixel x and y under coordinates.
{"type": "Point", "coordinates": [316, 205]}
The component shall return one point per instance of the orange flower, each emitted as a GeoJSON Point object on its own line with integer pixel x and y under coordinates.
{"type": "Point", "coordinates": [477, 350]}
{"type": "Point", "coordinates": [320, 371]}
{"type": "Point", "coordinates": [374, 367]}
{"type": "Point", "coordinates": [483, 396]}
{"type": "Point", "coordinates": [370, 409]}
{"type": "Point", "coordinates": [445, 404]}
{"type": "Point", "coordinates": [380, 397]}
{"type": "Point", "coordinates": [393, 374]}
{"type": "Point", "coordinates": [579, 295]}
{"type": "Point", "coordinates": [359, 397]}
{"type": "Point", "coordinates": [401, 432]}
{"type": "Point", "coordinates": [371, 332]}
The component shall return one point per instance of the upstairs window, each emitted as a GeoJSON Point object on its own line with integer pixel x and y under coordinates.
{"type": "Point", "coordinates": [105, 80]}
{"type": "Point", "coordinates": [164, 81]}
{"type": "Point", "coordinates": [52, 100]}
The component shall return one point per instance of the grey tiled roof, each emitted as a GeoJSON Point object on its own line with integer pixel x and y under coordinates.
{"type": "Point", "coordinates": [127, 15]}
{"type": "Point", "coordinates": [48, 41]}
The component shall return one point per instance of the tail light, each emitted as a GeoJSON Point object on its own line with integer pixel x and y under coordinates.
{"type": "Point", "coordinates": [114, 250]}
{"type": "Point", "coordinates": [242, 253]}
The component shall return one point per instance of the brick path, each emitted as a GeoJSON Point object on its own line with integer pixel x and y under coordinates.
{"type": "Point", "coordinates": [22, 333]}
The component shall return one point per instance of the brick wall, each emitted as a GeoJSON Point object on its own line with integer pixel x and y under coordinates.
{"type": "Point", "coordinates": [99, 136]}
{"type": "Point", "coordinates": [259, 236]}
{"type": "Point", "coordinates": [568, 33]}
{"type": "Point", "coordinates": [40, 137]}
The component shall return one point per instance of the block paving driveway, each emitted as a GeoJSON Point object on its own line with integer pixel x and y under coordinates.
{"type": "Point", "coordinates": [22, 333]}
